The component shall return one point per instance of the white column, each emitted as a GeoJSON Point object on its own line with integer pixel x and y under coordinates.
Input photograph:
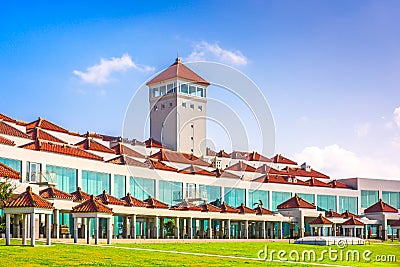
{"type": "Point", "coordinates": [8, 223]}
{"type": "Point", "coordinates": [33, 229]}
{"type": "Point", "coordinates": [209, 228]}
{"type": "Point", "coordinates": [190, 230]}
{"type": "Point", "coordinates": [96, 230]}
{"type": "Point", "coordinates": [48, 228]}
{"type": "Point", "coordinates": [75, 230]}
{"type": "Point", "coordinates": [263, 230]}
{"type": "Point", "coordinates": [280, 230]}
{"type": "Point", "coordinates": [24, 230]}
{"type": "Point", "coordinates": [156, 229]}
{"type": "Point", "coordinates": [177, 227]}
{"type": "Point", "coordinates": [109, 230]}
{"type": "Point", "coordinates": [88, 231]}
{"type": "Point", "coordinates": [133, 234]}
{"type": "Point", "coordinates": [56, 223]}
{"type": "Point", "coordinates": [228, 228]}
{"type": "Point", "coordinates": [246, 229]}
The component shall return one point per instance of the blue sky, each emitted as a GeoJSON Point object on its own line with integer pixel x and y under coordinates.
{"type": "Point", "coordinates": [330, 70]}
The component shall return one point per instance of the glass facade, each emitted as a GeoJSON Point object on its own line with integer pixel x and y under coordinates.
{"type": "Point", "coordinates": [213, 193]}
{"type": "Point", "coordinates": [391, 198]}
{"type": "Point", "coordinates": [278, 198]}
{"type": "Point", "coordinates": [65, 178]}
{"type": "Point", "coordinates": [307, 197]}
{"type": "Point", "coordinates": [141, 188]}
{"type": "Point", "coordinates": [95, 182]}
{"type": "Point", "coordinates": [256, 195]}
{"type": "Point", "coordinates": [368, 198]}
{"type": "Point", "coordinates": [326, 202]}
{"type": "Point", "coordinates": [12, 163]}
{"type": "Point", "coordinates": [235, 196]}
{"type": "Point", "coordinates": [348, 203]}
{"type": "Point", "coordinates": [119, 185]}
{"type": "Point", "coordinates": [170, 192]}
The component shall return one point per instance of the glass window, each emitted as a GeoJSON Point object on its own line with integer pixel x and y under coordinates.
{"type": "Point", "coordinates": [156, 92]}
{"type": "Point", "coordinates": [235, 196]}
{"type": "Point", "coordinates": [33, 171]}
{"type": "Point", "coordinates": [163, 90]}
{"type": "Point", "coordinates": [141, 188]}
{"type": "Point", "coordinates": [278, 198]}
{"type": "Point", "coordinates": [119, 185]}
{"type": "Point", "coordinates": [170, 88]}
{"type": "Point", "coordinates": [210, 192]}
{"type": "Point", "coordinates": [170, 192]}
{"type": "Point", "coordinates": [65, 178]}
{"type": "Point", "coordinates": [200, 92]}
{"type": "Point", "coordinates": [348, 203]}
{"type": "Point", "coordinates": [326, 202]}
{"type": "Point", "coordinates": [192, 90]}
{"type": "Point", "coordinates": [191, 106]}
{"type": "Point", "coordinates": [12, 163]}
{"type": "Point", "coordinates": [391, 198]}
{"type": "Point", "coordinates": [368, 198]}
{"type": "Point", "coordinates": [185, 88]}
{"type": "Point", "coordinates": [95, 182]}
{"type": "Point", "coordinates": [184, 104]}
{"type": "Point", "coordinates": [200, 108]}
{"type": "Point", "coordinates": [307, 197]}
{"type": "Point", "coordinates": [256, 195]}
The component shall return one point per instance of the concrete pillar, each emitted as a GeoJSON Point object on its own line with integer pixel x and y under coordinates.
{"type": "Point", "coordinates": [263, 236]}
{"type": "Point", "coordinates": [96, 231]}
{"type": "Point", "coordinates": [125, 227]}
{"type": "Point", "coordinates": [75, 230]}
{"type": "Point", "coordinates": [190, 226]}
{"type": "Point", "coordinates": [16, 229]}
{"type": "Point", "coordinates": [8, 225]}
{"type": "Point", "coordinates": [88, 231]}
{"type": "Point", "coordinates": [109, 230]}
{"type": "Point", "coordinates": [48, 230]}
{"type": "Point", "coordinates": [133, 225]}
{"type": "Point", "coordinates": [28, 225]}
{"type": "Point", "coordinates": [222, 229]}
{"type": "Point", "coordinates": [24, 230]}
{"type": "Point", "coordinates": [155, 227]}
{"type": "Point", "coordinates": [280, 230]}
{"type": "Point", "coordinates": [246, 229]}
{"type": "Point", "coordinates": [301, 224]}
{"type": "Point", "coordinates": [56, 223]}
{"type": "Point", "coordinates": [148, 230]}
{"type": "Point", "coordinates": [209, 233]}
{"type": "Point", "coordinates": [228, 228]}
{"type": "Point", "coordinates": [33, 230]}
{"type": "Point", "coordinates": [177, 236]}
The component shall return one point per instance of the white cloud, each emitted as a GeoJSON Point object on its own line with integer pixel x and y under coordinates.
{"type": "Point", "coordinates": [362, 129]}
{"type": "Point", "coordinates": [204, 50]}
{"type": "Point", "coordinates": [338, 162]}
{"type": "Point", "coordinates": [100, 73]}
{"type": "Point", "coordinates": [396, 116]}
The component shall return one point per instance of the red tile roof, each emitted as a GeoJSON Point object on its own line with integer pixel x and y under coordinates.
{"type": "Point", "coordinates": [196, 170]}
{"type": "Point", "coordinates": [224, 174]}
{"type": "Point", "coordinates": [155, 204]}
{"type": "Point", "coordinates": [316, 182]}
{"type": "Point", "coordinates": [91, 144]}
{"type": "Point", "coordinates": [262, 211]}
{"type": "Point", "coordinates": [337, 184]}
{"type": "Point", "coordinates": [45, 124]}
{"type": "Point", "coordinates": [133, 202]}
{"type": "Point", "coordinates": [153, 143]}
{"type": "Point", "coordinates": [28, 199]}
{"type": "Point", "coordinates": [8, 172]}
{"type": "Point", "coordinates": [381, 206]}
{"type": "Point", "coordinates": [254, 156]}
{"type": "Point", "coordinates": [296, 202]}
{"type": "Point", "coordinates": [241, 166]}
{"type": "Point", "coordinates": [92, 205]}
{"type": "Point", "coordinates": [186, 205]}
{"type": "Point", "coordinates": [395, 223]}
{"type": "Point", "coordinates": [178, 157]}
{"type": "Point", "coordinates": [281, 159]}
{"type": "Point", "coordinates": [6, 141]}
{"type": "Point", "coordinates": [178, 70]}
{"type": "Point", "coordinates": [352, 221]}
{"type": "Point", "coordinates": [243, 209]}
{"type": "Point", "coordinates": [108, 199]}
{"type": "Point", "coordinates": [125, 160]}
{"type": "Point", "coordinates": [225, 208]}
{"type": "Point", "coordinates": [222, 154]}
{"type": "Point", "coordinates": [320, 220]}
{"type": "Point", "coordinates": [210, 152]}
{"type": "Point", "coordinates": [280, 180]}
{"type": "Point", "coordinates": [348, 214]}
{"type": "Point", "coordinates": [207, 207]}
{"type": "Point", "coordinates": [37, 133]}
{"type": "Point", "coordinates": [54, 193]}
{"type": "Point", "coordinates": [121, 149]}
{"type": "Point", "coordinates": [158, 165]}
{"type": "Point", "coordinates": [6, 118]}
{"type": "Point", "coordinates": [64, 149]}
{"type": "Point", "coordinates": [93, 135]}
{"type": "Point", "coordinates": [332, 213]}
{"type": "Point", "coordinates": [9, 130]}
{"type": "Point", "coordinates": [79, 195]}
{"type": "Point", "coordinates": [303, 173]}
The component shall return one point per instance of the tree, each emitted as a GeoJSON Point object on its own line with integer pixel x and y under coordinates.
{"type": "Point", "coordinates": [6, 192]}
{"type": "Point", "coordinates": [170, 226]}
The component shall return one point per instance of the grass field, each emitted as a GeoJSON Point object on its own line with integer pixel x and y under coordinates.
{"type": "Point", "coordinates": [183, 254]}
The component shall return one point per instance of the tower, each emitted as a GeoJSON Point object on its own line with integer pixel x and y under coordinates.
{"type": "Point", "coordinates": [178, 98]}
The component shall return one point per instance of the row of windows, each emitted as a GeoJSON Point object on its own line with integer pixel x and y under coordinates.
{"type": "Point", "coordinates": [184, 88]}
{"type": "Point", "coordinates": [191, 106]}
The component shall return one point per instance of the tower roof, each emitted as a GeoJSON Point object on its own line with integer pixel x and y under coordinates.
{"type": "Point", "coordinates": [28, 199]}
{"type": "Point", "coordinates": [178, 70]}
{"type": "Point", "coordinates": [296, 202]}
{"type": "Point", "coordinates": [380, 206]}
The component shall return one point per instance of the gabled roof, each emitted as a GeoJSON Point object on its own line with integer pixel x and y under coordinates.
{"type": "Point", "coordinates": [303, 173]}
{"type": "Point", "coordinates": [186, 205]}
{"type": "Point", "coordinates": [178, 70]}
{"type": "Point", "coordinates": [222, 154]}
{"type": "Point", "coordinates": [6, 118]}
{"type": "Point", "coordinates": [108, 199]}
{"type": "Point", "coordinates": [332, 213]}
{"type": "Point", "coordinates": [196, 170]}
{"type": "Point", "coordinates": [296, 202]}
{"type": "Point", "coordinates": [133, 202]}
{"type": "Point", "coordinates": [155, 204]}
{"type": "Point", "coordinates": [54, 193]}
{"type": "Point", "coordinates": [278, 158]}
{"type": "Point", "coordinates": [395, 223]}
{"type": "Point", "coordinates": [158, 165]}
{"type": "Point", "coordinates": [91, 144]}
{"type": "Point", "coordinates": [337, 184]}
{"type": "Point", "coordinates": [320, 220]}
{"type": "Point", "coordinates": [224, 174]}
{"type": "Point", "coordinates": [6, 141]}
{"type": "Point", "coordinates": [6, 171]}
{"type": "Point", "coordinates": [210, 152]}
{"type": "Point", "coordinates": [151, 142]}
{"type": "Point", "coordinates": [255, 156]}
{"type": "Point", "coordinates": [241, 166]}
{"type": "Point", "coordinates": [243, 209]}
{"type": "Point", "coordinates": [41, 145]}
{"type": "Point", "coordinates": [225, 208]}
{"type": "Point", "coordinates": [9, 130]}
{"type": "Point", "coordinates": [207, 207]}
{"type": "Point", "coordinates": [178, 157]}
{"type": "Point", "coordinates": [353, 221]}
{"type": "Point", "coordinates": [279, 180]}
{"type": "Point", "coordinates": [316, 182]}
{"type": "Point", "coordinates": [28, 199]}
{"type": "Point", "coordinates": [125, 160]}
{"type": "Point", "coordinates": [348, 214]}
{"type": "Point", "coordinates": [92, 135]}
{"type": "Point", "coordinates": [45, 124]}
{"type": "Point", "coordinates": [380, 206]}
{"type": "Point", "coordinates": [262, 211]}
{"type": "Point", "coordinates": [79, 195]}
{"type": "Point", "coordinates": [38, 133]}
{"type": "Point", "coordinates": [92, 205]}
{"type": "Point", "coordinates": [121, 149]}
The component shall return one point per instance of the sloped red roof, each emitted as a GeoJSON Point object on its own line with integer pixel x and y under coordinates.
{"type": "Point", "coordinates": [178, 157]}
{"type": "Point", "coordinates": [9, 130]}
{"type": "Point", "coordinates": [54, 193]}
{"type": "Point", "coordinates": [64, 149]}
{"type": "Point", "coordinates": [348, 214]}
{"type": "Point", "coordinates": [225, 208]}
{"type": "Point", "coordinates": [45, 124]}
{"type": "Point", "coordinates": [380, 206]}
{"type": "Point", "coordinates": [93, 135]}
{"type": "Point", "coordinates": [6, 141]}
{"type": "Point", "coordinates": [155, 164]}
{"type": "Point", "coordinates": [224, 174]}
{"type": "Point", "coordinates": [92, 205]}
{"type": "Point", "coordinates": [395, 223]}
{"type": "Point", "coordinates": [155, 204]}
{"type": "Point", "coordinates": [28, 199]}
{"type": "Point", "coordinates": [298, 172]}
{"type": "Point", "coordinates": [296, 202]}
{"type": "Point", "coordinates": [196, 170]}
{"type": "Point", "coordinates": [279, 180]}
{"type": "Point", "coordinates": [178, 70]}
{"type": "Point", "coordinates": [320, 220]}
{"type": "Point", "coordinates": [316, 182]}
{"type": "Point", "coordinates": [337, 184]}
{"type": "Point", "coordinates": [210, 152]}
{"type": "Point", "coordinates": [186, 205]}
{"type": "Point", "coordinates": [278, 158]}
{"type": "Point", "coordinates": [332, 213]}
{"type": "Point", "coordinates": [37, 133]}
{"type": "Point", "coordinates": [108, 199]}
{"type": "Point", "coordinates": [266, 169]}
{"type": "Point", "coordinates": [6, 118]}
{"type": "Point", "coordinates": [133, 202]}
{"type": "Point", "coordinates": [207, 207]}
{"type": "Point", "coordinates": [151, 142]}
{"type": "Point", "coordinates": [243, 209]}
{"type": "Point", "coordinates": [241, 166]}
{"type": "Point", "coordinates": [79, 195]}
{"type": "Point", "coordinates": [222, 154]}
{"type": "Point", "coordinates": [255, 156]}
{"type": "Point", "coordinates": [8, 172]}
{"type": "Point", "coordinates": [121, 149]}
{"type": "Point", "coordinates": [262, 211]}
{"type": "Point", "coordinates": [352, 221]}
{"type": "Point", "coordinates": [125, 160]}
{"type": "Point", "coordinates": [91, 144]}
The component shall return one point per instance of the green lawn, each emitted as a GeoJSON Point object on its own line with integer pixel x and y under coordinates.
{"type": "Point", "coordinates": [167, 254]}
